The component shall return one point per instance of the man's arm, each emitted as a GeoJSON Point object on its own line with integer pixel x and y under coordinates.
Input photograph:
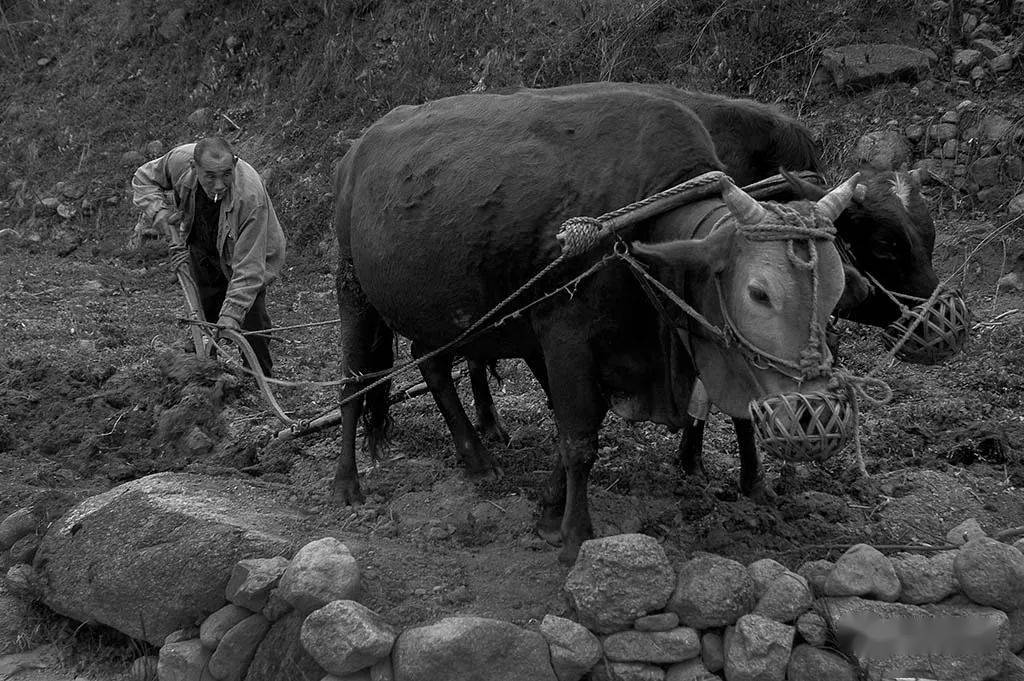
{"type": "Point", "coordinates": [248, 266]}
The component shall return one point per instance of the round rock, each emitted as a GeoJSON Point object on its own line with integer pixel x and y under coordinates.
{"type": "Point", "coordinates": [320, 572]}
{"type": "Point", "coordinates": [965, 532]}
{"type": "Point", "coordinates": [925, 579]}
{"type": "Point", "coordinates": [617, 579]}
{"type": "Point", "coordinates": [812, 628]}
{"type": "Point", "coordinates": [863, 571]}
{"type": "Point", "coordinates": [764, 572]}
{"type": "Point", "coordinates": [345, 636]}
{"type": "Point", "coordinates": [574, 649]}
{"type": "Point", "coordinates": [787, 597]}
{"type": "Point", "coordinates": [816, 572]}
{"type": "Point", "coordinates": [991, 573]}
{"type": "Point", "coordinates": [470, 648]}
{"type": "Point", "coordinates": [808, 663]}
{"type": "Point", "coordinates": [712, 651]}
{"type": "Point", "coordinates": [712, 591]}
{"type": "Point", "coordinates": [757, 649]}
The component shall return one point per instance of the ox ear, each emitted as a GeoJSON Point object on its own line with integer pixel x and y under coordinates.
{"type": "Point", "coordinates": [803, 188]}
{"type": "Point", "coordinates": [710, 253]}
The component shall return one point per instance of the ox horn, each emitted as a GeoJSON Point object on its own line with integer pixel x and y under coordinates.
{"type": "Point", "coordinates": [742, 205]}
{"type": "Point", "coordinates": [837, 200]}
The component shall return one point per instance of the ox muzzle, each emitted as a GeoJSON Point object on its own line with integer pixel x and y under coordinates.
{"type": "Point", "coordinates": [932, 331]}
{"type": "Point", "coordinates": [813, 426]}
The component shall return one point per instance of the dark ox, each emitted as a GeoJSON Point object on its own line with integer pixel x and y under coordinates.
{"type": "Point", "coordinates": [887, 230]}
{"type": "Point", "coordinates": [444, 209]}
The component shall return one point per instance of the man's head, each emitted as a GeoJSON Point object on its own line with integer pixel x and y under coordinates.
{"type": "Point", "coordinates": [215, 166]}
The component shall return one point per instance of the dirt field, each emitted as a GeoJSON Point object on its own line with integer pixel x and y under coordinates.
{"type": "Point", "coordinates": [95, 390]}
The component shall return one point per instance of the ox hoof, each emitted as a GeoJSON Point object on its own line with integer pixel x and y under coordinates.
{"type": "Point", "coordinates": [485, 474]}
{"type": "Point", "coordinates": [760, 493]}
{"type": "Point", "coordinates": [568, 554]}
{"type": "Point", "coordinates": [494, 434]}
{"type": "Point", "coordinates": [347, 494]}
{"type": "Point", "coordinates": [550, 531]}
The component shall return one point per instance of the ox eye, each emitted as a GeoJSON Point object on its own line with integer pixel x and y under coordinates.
{"type": "Point", "coordinates": [759, 295]}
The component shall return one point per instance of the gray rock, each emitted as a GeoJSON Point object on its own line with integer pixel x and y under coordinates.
{"type": "Point", "coordinates": [864, 65]}
{"type": "Point", "coordinates": [656, 647]}
{"type": "Point", "coordinates": [942, 132]}
{"type": "Point", "coordinates": [808, 663]}
{"type": "Point", "coordinates": [320, 572]}
{"type": "Point", "coordinates": [1001, 63]}
{"type": "Point", "coordinates": [985, 171]}
{"type": "Point", "coordinates": [213, 628]}
{"type": "Point", "coordinates": [991, 128]}
{"type": "Point", "coordinates": [382, 671]}
{"type": "Point", "coordinates": [965, 60]}
{"type": "Point", "coordinates": [952, 116]}
{"type": "Point", "coordinates": [155, 149]}
{"type": "Point", "coordinates": [1016, 636]}
{"type": "Point", "coordinates": [574, 649]}
{"type": "Point", "coordinates": [252, 580]}
{"type": "Point", "coordinates": [978, 73]}
{"type": "Point", "coordinates": [949, 149]}
{"type": "Point", "coordinates": [925, 579]}
{"type": "Point", "coordinates": [812, 628]}
{"type": "Point", "coordinates": [179, 635]}
{"type": "Point", "coordinates": [816, 573]}
{"type": "Point", "coordinates": [24, 550]}
{"type": "Point", "coordinates": [183, 661]}
{"type": "Point", "coordinates": [344, 637]}
{"type": "Point", "coordinates": [13, 621]}
{"type": "Point", "coordinates": [230, 661]}
{"type": "Point", "coordinates": [991, 573]}
{"type": "Point", "coordinates": [963, 642]}
{"type": "Point", "coordinates": [470, 648]}
{"type": "Point", "coordinates": [690, 670]}
{"type": "Point", "coordinates": [757, 649]}
{"type": "Point", "coordinates": [712, 591]}
{"type": "Point", "coordinates": [1012, 669]}
{"type": "Point", "coordinates": [281, 656]}
{"type": "Point", "coordinates": [881, 150]}
{"type": "Point", "coordinates": [914, 133]}
{"type": "Point", "coordinates": [200, 117]}
{"type": "Point", "coordinates": [24, 581]}
{"type": "Point", "coordinates": [764, 572]}
{"type": "Point", "coordinates": [15, 526]}
{"type": "Point", "coordinates": [276, 607]}
{"type": "Point", "coordinates": [173, 26]}
{"type": "Point", "coordinates": [787, 597]}
{"type": "Point", "coordinates": [626, 671]}
{"type": "Point", "coordinates": [863, 571]}
{"type": "Point", "coordinates": [662, 621]}
{"type": "Point", "coordinates": [1016, 206]}
{"type": "Point", "coordinates": [617, 579]}
{"type": "Point", "coordinates": [986, 47]}
{"type": "Point", "coordinates": [712, 651]}
{"type": "Point", "coordinates": [153, 555]}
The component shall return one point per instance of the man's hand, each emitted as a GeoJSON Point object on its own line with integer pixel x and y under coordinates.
{"type": "Point", "coordinates": [224, 323]}
{"type": "Point", "coordinates": [166, 220]}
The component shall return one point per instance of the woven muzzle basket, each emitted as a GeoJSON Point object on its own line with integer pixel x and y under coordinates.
{"type": "Point", "coordinates": [941, 333]}
{"type": "Point", "coordinates": [803, 427]}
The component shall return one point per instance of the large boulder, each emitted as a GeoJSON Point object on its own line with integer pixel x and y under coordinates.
{"type": "Point", "coordinates": [470, 648]}
{"type": "Point", "coordinates": [963, 642]}
{"type": "Point", "coordinates": [154, 555]}
{"type": "Point", "coordinates": [618, 579]}
{"type": "Point", "coordinates": [757, 649]}
{"type": "Point", "coordinates": [863, 65]}
{"type": "Point", "coordinates": [863, 571]}
{"type": "Point", "coordinates": [321, 571]}
{"type": "Point", "coordinates": [925, 579]}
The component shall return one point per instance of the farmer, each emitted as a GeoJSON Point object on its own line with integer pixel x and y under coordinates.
{"type": "Point", "coordinates": [215, 210]}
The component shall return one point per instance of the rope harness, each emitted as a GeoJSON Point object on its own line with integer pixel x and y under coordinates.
{"type": "Point", "coordinates": [579, 235]}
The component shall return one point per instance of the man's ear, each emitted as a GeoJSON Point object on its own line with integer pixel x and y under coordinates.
{"type": "Point", "coordinates": [710, 253]}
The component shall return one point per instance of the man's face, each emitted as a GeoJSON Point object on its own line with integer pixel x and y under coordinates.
{"type": "Point", "coordinates": [215, 172]}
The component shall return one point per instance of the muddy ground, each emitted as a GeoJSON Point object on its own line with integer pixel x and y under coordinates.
{"type": "Point", "coordinates": [95, 389]}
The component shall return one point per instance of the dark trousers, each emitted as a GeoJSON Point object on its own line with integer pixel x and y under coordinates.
{"type": "Point", "coordinates": [213, 286]}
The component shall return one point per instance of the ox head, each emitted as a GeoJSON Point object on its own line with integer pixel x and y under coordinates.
{"type": "Point", "coordinates": [891, 236]}
{"type": "Point", "coordinates": [769, 277]}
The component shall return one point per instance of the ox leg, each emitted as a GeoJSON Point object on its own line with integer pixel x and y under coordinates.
{"type": "Point", "coordinates": [579, 409]}
{"type": "Point", "coordinates": [690, 456]}
{"type": "Point", "coordinates": [488, 421]}
{"type": "Point", "coordinates": [540, 371]}
{"type": "Point", "coordinates": [691, 444]}
{"type": "Point", "coordinates": [366, 343]}
{"type": "Point", "coordinates": [469, 449]}
{"type": "Point", "coordinates": [752, 482]}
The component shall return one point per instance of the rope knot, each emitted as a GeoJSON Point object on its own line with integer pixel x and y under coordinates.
{"type": "Point", "coordinates": [578, 235]}
{"type": "Point", "coordinates": [812, 360]}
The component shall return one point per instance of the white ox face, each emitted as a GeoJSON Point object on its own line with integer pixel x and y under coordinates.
{"type": "Point", "coordinates": [778, 292]}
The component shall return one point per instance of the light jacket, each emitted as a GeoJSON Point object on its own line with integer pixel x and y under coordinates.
{"type": "Point", "coordinates": [250, 240]}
